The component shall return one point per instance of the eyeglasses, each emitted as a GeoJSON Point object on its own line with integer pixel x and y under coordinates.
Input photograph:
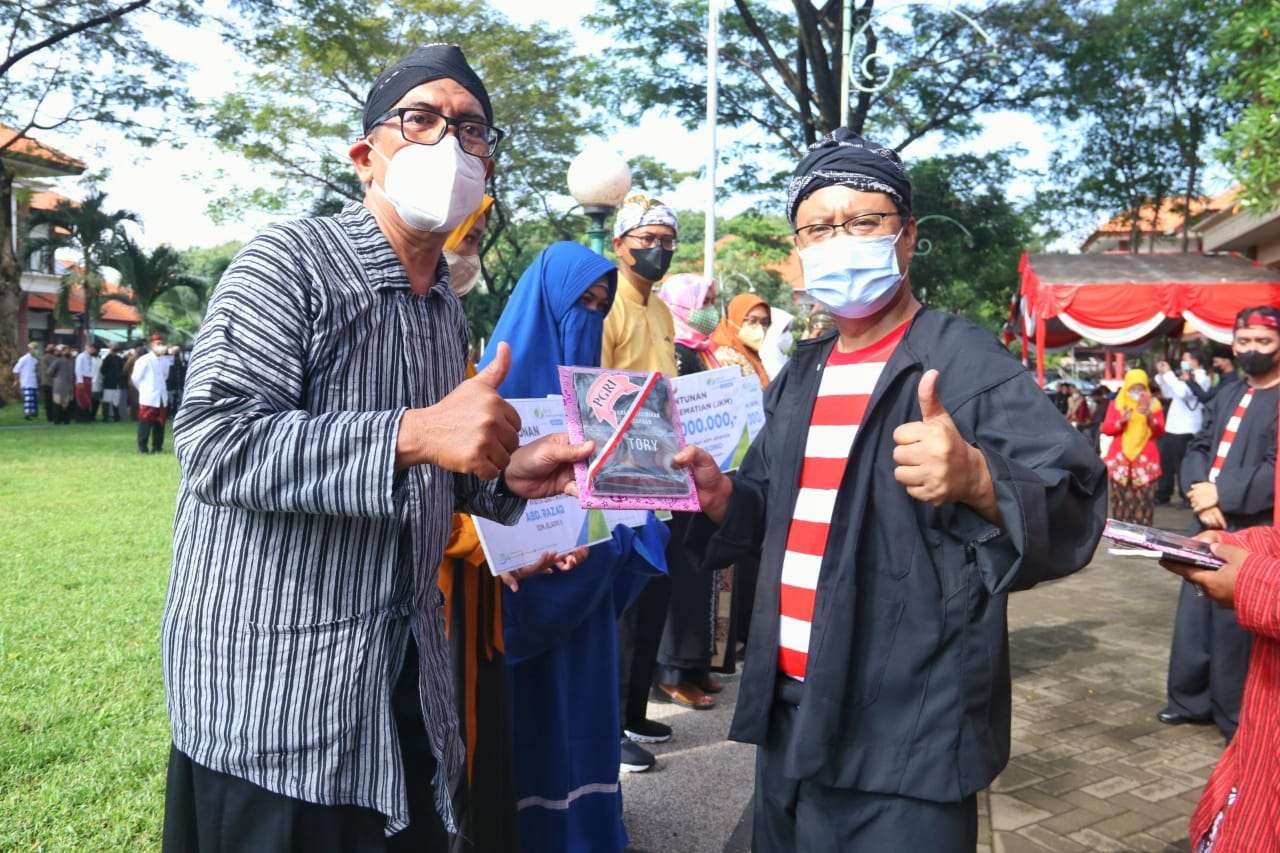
{"type": "Point", "coordinates": [648, 241]}
{"type": "Point", "coordinates": [427, 127]}
{"type": "Point", "coordinates": [862, 225]}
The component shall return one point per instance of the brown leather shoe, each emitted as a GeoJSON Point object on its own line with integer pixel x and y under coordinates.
{"type": "Point", "coordinates": [688, 696]}
{"type": "Point", "coordinates": [708, 683]}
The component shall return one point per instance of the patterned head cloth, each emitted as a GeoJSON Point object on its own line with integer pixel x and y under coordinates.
{"type": "Point", "coordinates": [640, 210]}
{"type": "Point", "coordinates": [843, 158]}
{"type": "Point", "coordinates": [1264, 316]}
{"type": "Point", "coordinates": [424, 64]}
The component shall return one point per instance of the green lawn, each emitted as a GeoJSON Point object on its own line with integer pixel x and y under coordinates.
{"type": "Point", "coordinates": [85, 525]}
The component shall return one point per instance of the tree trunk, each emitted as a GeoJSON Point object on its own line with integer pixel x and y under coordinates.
{"type": "Point", "coordinates": [806, 108]}
{"type": "Point", "coordinates": [10, 289]}
{"type": "Point", "coordinates": [1193, 146]}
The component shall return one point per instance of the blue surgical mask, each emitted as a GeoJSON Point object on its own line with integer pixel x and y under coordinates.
{"type": "Point", "coordinates": [853, 277]}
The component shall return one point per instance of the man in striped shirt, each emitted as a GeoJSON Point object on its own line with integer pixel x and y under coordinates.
{"type": "Point", "coordinates": [1229, 477]}
{"type": "Point", "coordinates": [326, 438]}
{"type": "Point", "coordinates": [910, 474]}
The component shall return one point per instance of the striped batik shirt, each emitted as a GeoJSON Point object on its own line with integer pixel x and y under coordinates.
{"type": "Point", "coordinates": [843, 395]}
{"type": "Point", "coordinates": [302, 561]}
{"type": "Point", "coordinates": [1229, 435]}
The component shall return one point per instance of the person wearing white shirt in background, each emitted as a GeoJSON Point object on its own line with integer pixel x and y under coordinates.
{"type": "Point", "coordinates": [150, 374]}
{"type": "Point", "coordinates": [1183, 418]}
{"type": "Point", "coordinates": [96, 388]}
{"type": "Point", "coordinates": [84, 381]}
{"type": "Point", "coordinates": [28, 380]}
{"type": "Point", "coordinates": [775, 352]}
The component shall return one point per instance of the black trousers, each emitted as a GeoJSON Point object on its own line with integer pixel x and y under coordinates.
{"type": "Point", "coordinates": [791, 816]}
{"type": "Point", "coordinates": [639, 636]}
{"type": "Point", "coordinates": [211, 812]}
{"type": "Point", "coordinates": [1173, 447]}
{"type": "Point", "coordinates": [46, 397]}
{"type": "Point", "coordinates": [156, 433]}
{"type": "Point", "coordinates": [1208, 661]}
{"type": "Point", "coordinates": [688, 638]}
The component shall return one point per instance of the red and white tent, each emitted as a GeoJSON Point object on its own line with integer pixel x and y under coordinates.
{"type": "Point", "coordinates": [1126, 299]}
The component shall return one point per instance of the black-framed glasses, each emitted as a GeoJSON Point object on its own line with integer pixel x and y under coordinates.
{"type": "Point", "coordinates": [861, 225]}
{"type": "Point", "coordinates": [427, 127]}
{"type": "Point", "coordinates": [649, 241]}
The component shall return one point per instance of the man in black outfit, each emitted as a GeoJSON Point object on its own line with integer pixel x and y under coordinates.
{"type": "Point", "coordinates": [909, 475]}
{"type": "Point", "coordinates": [1229, 476]}
{"type": "Point", "coordinates": [112, 383]}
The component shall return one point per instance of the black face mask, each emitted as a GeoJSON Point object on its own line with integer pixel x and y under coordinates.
{"type": "Point", "coordinates": [651, 264]}
{"type": "Point", "coordinates": [1256, 363]}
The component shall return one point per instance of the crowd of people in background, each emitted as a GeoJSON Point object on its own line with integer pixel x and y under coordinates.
{"type": "Point", "coordinates": [142, 382]}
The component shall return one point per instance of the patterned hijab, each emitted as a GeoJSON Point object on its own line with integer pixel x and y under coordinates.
{"type": "Point", "coordinates": [684, 293]}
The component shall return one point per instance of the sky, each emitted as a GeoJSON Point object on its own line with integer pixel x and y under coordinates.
{"type": "Point", "coordinates": [170, 187]}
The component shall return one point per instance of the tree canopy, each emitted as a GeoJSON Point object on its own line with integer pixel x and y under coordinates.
{"type": "Point", "coordinates": [314, 62]}
{"type": "Point", "coordinates": [781, 69]}
{"type": "Point", "coordinates": [1143, 107]}
{"type": "Point", "coordinates": [1249, 56]}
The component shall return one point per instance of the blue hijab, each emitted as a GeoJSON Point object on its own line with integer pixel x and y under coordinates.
{"type": "Point", "coordinates": [545, 325]}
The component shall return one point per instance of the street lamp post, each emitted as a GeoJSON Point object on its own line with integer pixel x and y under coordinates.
{"type": "Point", "coordinates": [599, 180]}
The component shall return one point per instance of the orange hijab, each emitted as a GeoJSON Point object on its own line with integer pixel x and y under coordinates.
{"type": "Point", "coordinates": [726, 334]}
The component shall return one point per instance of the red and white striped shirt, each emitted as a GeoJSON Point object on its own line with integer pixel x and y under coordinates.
{"type": "Point", "coordinates": [1229, 435]}
{"type": "Point", "coordinates": [843, 395]}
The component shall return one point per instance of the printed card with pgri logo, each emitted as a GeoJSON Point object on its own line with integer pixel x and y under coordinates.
{"type": "Point", "coordinates": [634, 422]}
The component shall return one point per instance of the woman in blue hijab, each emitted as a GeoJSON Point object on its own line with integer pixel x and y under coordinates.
{"type": "Point", "coordinates": [555, 316]}
{"type": "Point", "coordinates": [560, 630]}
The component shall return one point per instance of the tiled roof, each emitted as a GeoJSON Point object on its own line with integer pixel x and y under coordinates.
{"type": "Point", "coordinates": [33, 150]}
{"type": "Point", "coordinates": [111, 310]}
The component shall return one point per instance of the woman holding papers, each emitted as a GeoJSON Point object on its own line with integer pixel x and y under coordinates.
{"type": "Point", "coordinates": [695, 624]}
{"type": "Point", "coordinates": [560, 630]}
{"type": "Point", "coordinates": [1136, 419]}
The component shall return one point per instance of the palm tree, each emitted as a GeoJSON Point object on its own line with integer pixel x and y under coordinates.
{"type": "Point", "coordinates": [178, 314]}
{"type": "Point", "coordinates": [148, 277]}
{"type": "Point", "coordinates": [90, 229]}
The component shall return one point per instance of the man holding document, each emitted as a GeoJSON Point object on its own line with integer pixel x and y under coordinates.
{"type": "Point", "coordinates": [910, 475]}
{"type": "Point", "coordinates": [326, 438]}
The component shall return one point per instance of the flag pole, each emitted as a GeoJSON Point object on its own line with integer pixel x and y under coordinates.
{"type": "Point", "coordinates": [846, 54]}
{"type": "Point", "coordinates": [713, 94]}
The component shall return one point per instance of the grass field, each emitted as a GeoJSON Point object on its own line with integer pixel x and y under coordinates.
{"type": "Point", "coordinates": [85, 525]}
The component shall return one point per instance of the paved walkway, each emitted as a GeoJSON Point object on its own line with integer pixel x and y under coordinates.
{"type": "Point", "coordinates": [1091, 769]}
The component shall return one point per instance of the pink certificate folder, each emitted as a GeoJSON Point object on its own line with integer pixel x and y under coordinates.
{"type": "Point", "coordinates": [1184, 549]}
{"type": "Point", "coordinates": [633, 420]}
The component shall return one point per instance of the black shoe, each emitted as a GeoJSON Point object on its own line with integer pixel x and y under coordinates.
{"type": "Point", "coordinates": [648, 731]}
{"type": "Point", "coordinates": [1173, 718]}
{"type": "Point", "coordinates": [635, 758]}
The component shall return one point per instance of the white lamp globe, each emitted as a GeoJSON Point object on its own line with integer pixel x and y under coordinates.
{"type": "Point", "coordinates": [599, 178]}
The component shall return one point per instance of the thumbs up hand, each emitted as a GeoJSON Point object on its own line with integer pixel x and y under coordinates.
{"type": "Point", "coordinates": [935, 463]}
{"type": "Point", "coordinates": [471, 431]}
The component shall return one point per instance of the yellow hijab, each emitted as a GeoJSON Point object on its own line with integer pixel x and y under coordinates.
{"type": "Point", "coordinates": [458, 234]}
{"type": "Point", "coordinates": [1137, 432]}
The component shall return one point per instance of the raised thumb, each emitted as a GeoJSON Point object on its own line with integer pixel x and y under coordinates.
{"type": "Point", "coordinates": [496, 372]}
{"type": "Point", "coordinates": [930, 406]}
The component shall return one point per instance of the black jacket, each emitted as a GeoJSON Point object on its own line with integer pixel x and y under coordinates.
{"type": "Point", "coordinates": [112, 371]}
{"type": "Point", "coordinates": [1246, 484]}
{"type": "Point", "coordinates": [907, 685]}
